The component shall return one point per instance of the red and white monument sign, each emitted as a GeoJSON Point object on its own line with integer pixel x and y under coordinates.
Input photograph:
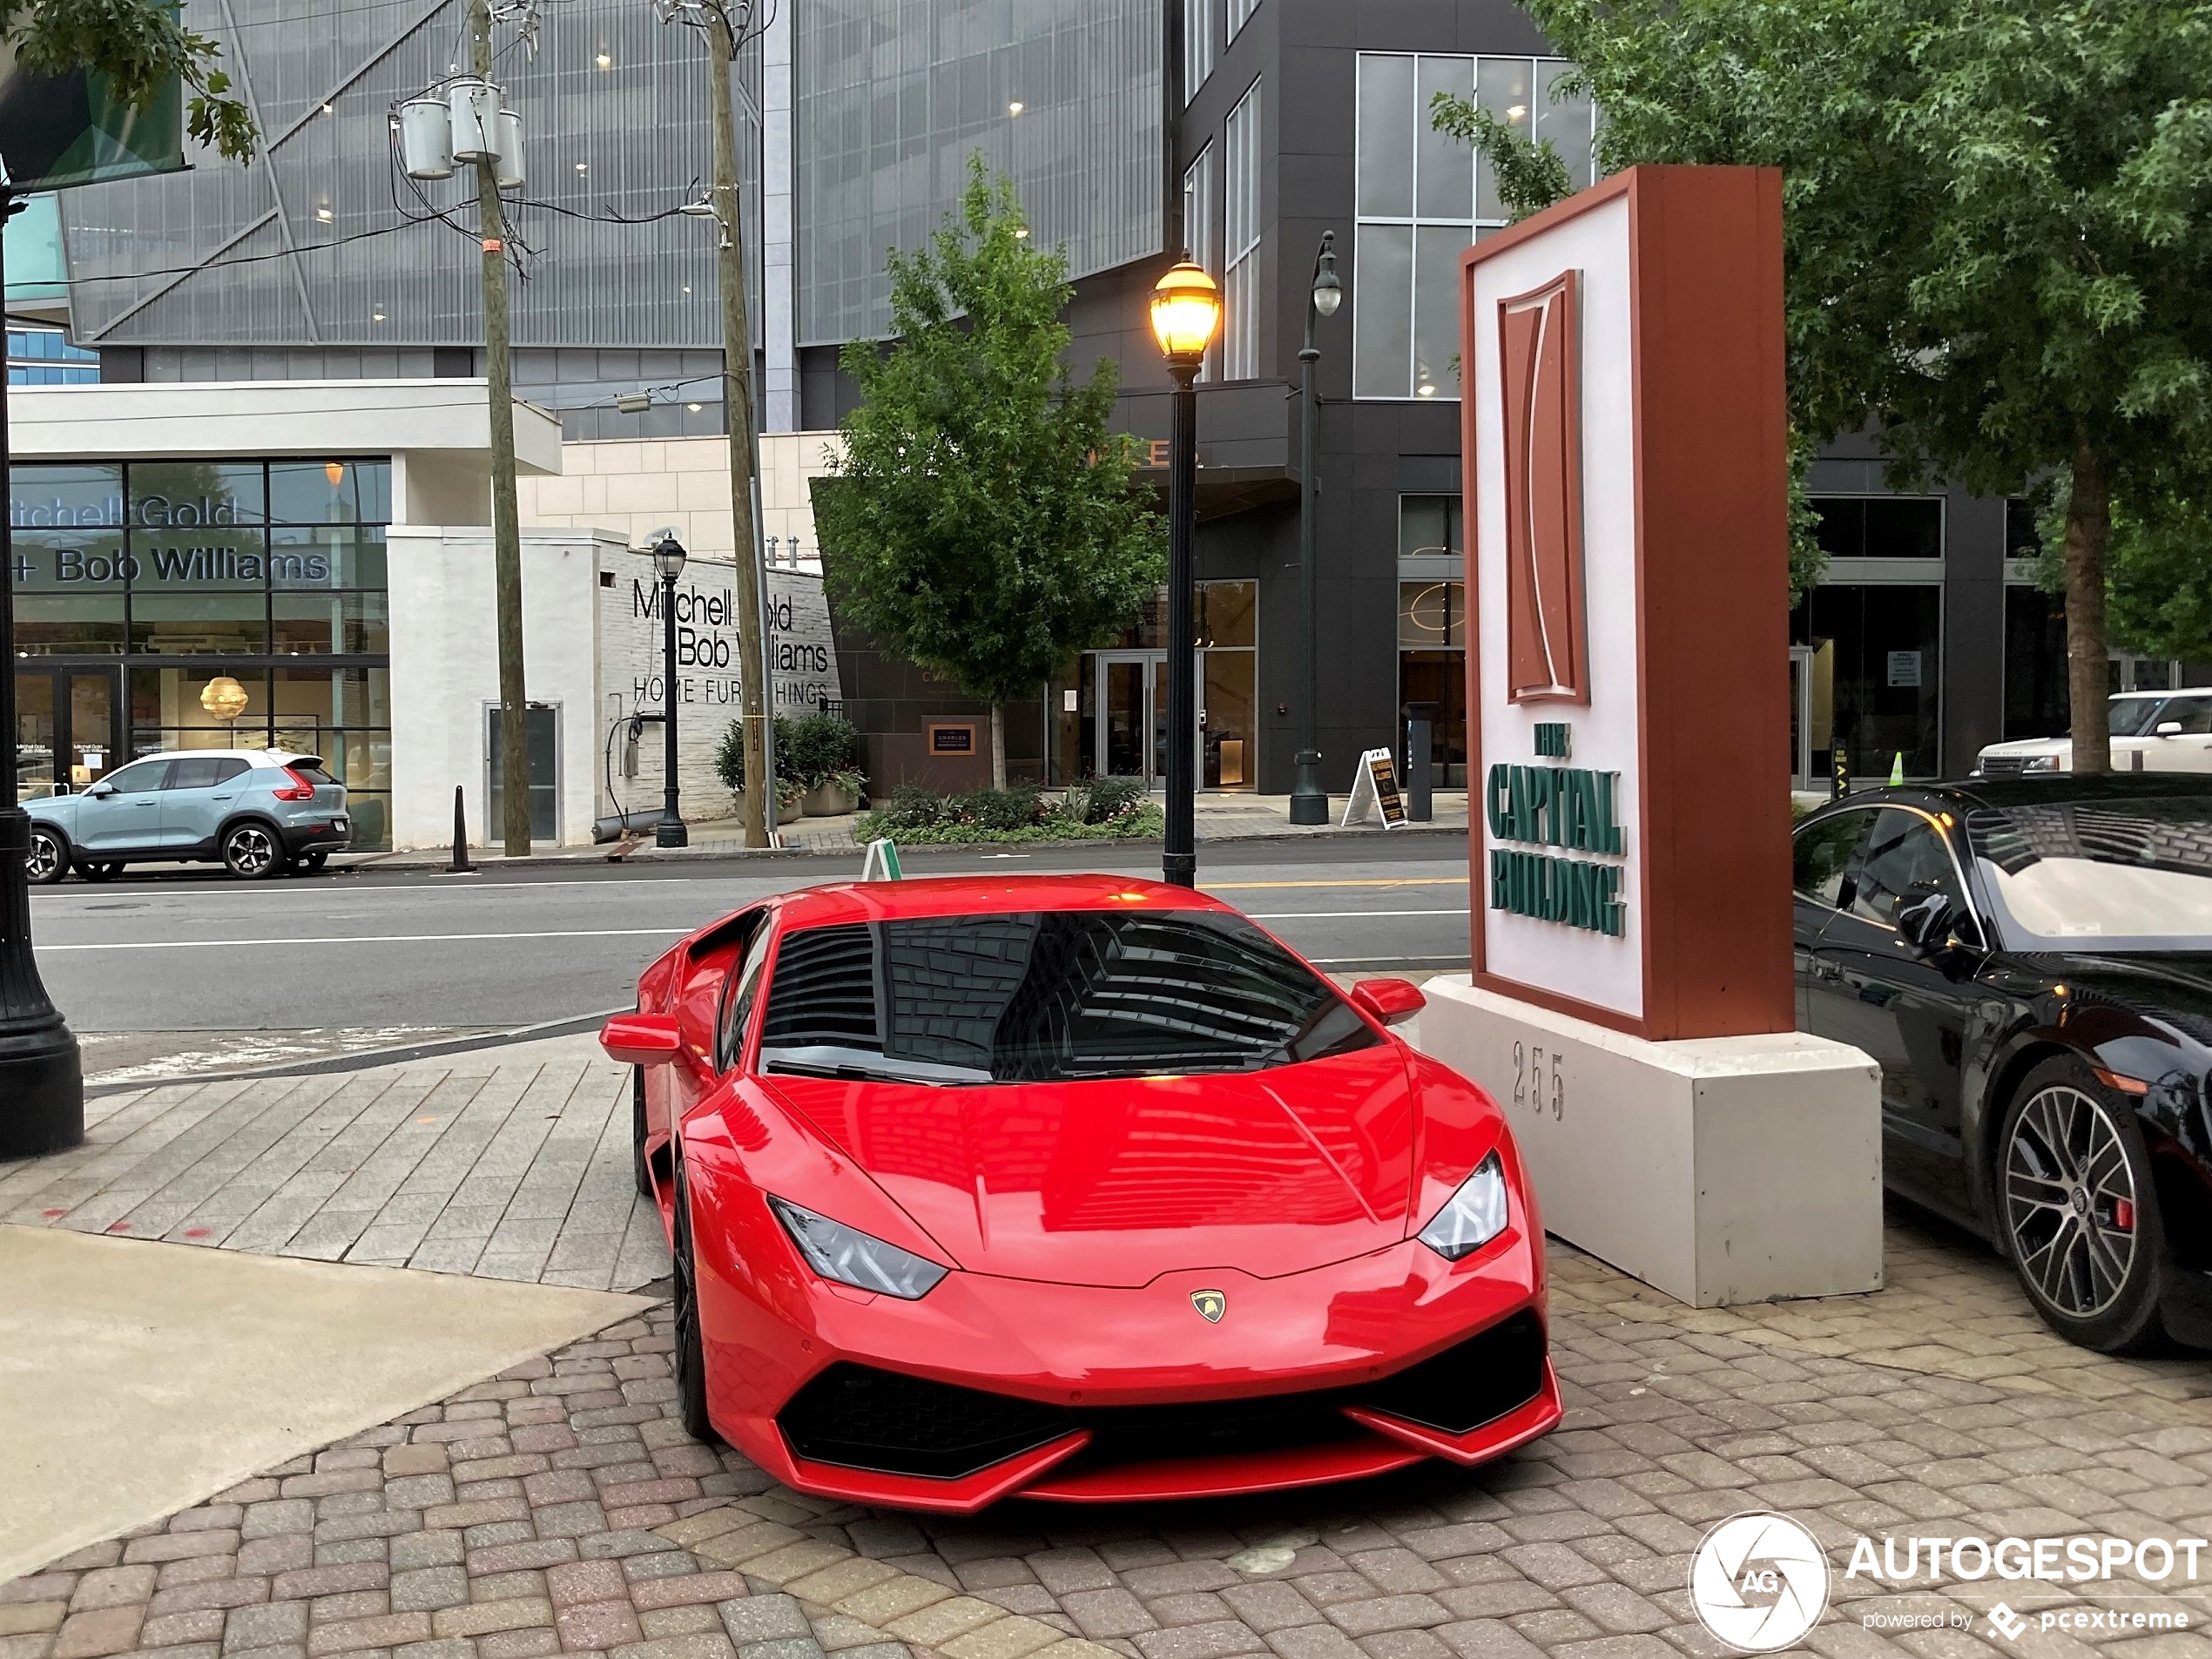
{"type": "Point", "coordinates": [1631, 1002]}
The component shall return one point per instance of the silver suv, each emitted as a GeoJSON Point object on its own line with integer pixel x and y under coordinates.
{"type": "Point", "coordinates": [257, 811]}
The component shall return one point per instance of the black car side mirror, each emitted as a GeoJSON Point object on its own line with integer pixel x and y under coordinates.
{"type": "Point", "coordinates": [1926, 923]}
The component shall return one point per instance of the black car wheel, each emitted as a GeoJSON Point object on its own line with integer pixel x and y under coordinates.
{"type": "Point", "coordinates": [639, 1167]}
{"type": "Point", "coordinates": [690, 1358]}
{"type": "Point", "coordinates": [47, 861]}
{"type": "Point", "coordinates": [251, 853]}
{"type": "Point", "coordinates": [99, 872]}
{"type": "Point", "coordinates": [316, 860]}
{"type": "Point", "coordinates": [2080, 1218]}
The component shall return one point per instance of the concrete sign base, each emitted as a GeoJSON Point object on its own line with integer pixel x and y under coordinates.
{"type": "Point", "coordinates": [1719, 1170]}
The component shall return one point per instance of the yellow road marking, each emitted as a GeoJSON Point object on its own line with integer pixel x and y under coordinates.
{"type": "Point", "coordinates": [1364, 881]}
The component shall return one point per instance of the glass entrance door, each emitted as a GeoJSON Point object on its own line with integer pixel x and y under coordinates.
{"type": "Point", "coordinates": [1132, 715]}
{"type": "Point", "coordinates": [1800, 717]}
{"type": "Point", "coordinates": [65, 729]}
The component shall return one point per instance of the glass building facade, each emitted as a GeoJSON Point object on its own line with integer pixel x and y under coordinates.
{"type": "Point", "coordinates": [151, 597]}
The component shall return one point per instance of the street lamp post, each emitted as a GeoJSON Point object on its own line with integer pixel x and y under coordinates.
{"type": "Point", "coordinates": [1186, 310]}
{"type": "Point", "coordinates": [1309, 801]}
{"type": "Point", "coordinates": [42, 1080]}
{"type": "Point", "coordinates": [668, 560]}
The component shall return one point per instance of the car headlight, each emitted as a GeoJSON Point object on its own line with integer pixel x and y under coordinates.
{"type": "Point", "coordinates": [1474, 1216]}
{"type": "Point", "coordinates": [851, 1256]}
{"type": "Point", "coordinates": [2041, 763]}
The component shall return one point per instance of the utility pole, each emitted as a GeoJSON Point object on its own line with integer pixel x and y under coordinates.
{"type": "Point", "coordinates": [737, 405]}
{"type": "Point", "coordinates": [506, 528]}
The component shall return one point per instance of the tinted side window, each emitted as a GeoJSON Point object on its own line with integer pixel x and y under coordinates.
{"type": "Point", "coordinates": [145, 775]}
{"type": "Point", "coordinates": [738, 996]}
{"type": "Point", "coordinates": [205, 771]}
{"type": "Point", "coordinates": [314, 775]}
{"type": "Point", "coordinates": [1903, 859]}
{"type": "Point", "coordinates": [1819, 852]}
{"type": "Point", "coordinates": [2195, 714]}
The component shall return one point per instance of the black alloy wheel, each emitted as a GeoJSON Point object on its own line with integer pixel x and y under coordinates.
{"type": "Point", "coordinates": [640, 1167]}
{"type": "Point", "coordinates": [2081, 1216]}
{"type": "Point", "coordinates": [690, 1358]}
{"type": "Point", "coordinates": [251, 853]}
{"type": "Point", "coordinates": [47, 861]}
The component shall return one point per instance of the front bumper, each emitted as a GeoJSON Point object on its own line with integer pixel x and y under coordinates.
{"type": "Point", "coordinates": [1087, 1394]}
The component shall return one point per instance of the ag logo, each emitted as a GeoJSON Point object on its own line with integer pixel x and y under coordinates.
{"type": "Point", "coordinates": [1759, 1582]}
{"type": "Point", "coordinates": [1212, 1305]}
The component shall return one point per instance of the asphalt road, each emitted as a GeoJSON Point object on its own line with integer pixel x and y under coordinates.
{"type": "Point", "coordinates": [414, 952]}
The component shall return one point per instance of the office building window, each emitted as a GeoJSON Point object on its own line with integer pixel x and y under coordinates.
{"type": "Point", "coordinates": [44, 357]}
{"type": "Point", "coordinates": [1880, 527]}
{"type": "Point", "coordinates": [1877, 693]}
{"type": "Point", "coordinates": [1201, 30]}
{"type": "Point", "coordinates": [1240, 12]}
{"type": "Point", "coordinates": [1433, 671]}
{"type": "Point", "coordinates": [1423, 197]}
{"type": "Point", "coordinates": [1430, 525]}
{"type": "Point", "coordinates": [1240, 297]}
{"type": "Point", "coordinates": [1202, 232]}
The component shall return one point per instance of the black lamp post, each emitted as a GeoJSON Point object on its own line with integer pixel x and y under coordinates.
{"type": "Point", "coordinates": [1309, 801]}
{"type": "Point", "coordinates": [1186, 309]}
{"type": "Point", "coordinates": [42, 1082]}
{"type": "Point", "coordinates": [668, 559]}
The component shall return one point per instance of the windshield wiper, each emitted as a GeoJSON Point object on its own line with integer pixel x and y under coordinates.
{"type": "Point", "coordinates": [849, 1074]}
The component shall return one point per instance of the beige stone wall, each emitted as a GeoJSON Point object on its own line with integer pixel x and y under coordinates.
{"type": "Point", "coordinates": [634, 486]}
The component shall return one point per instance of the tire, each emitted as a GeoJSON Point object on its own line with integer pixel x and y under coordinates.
{"type": "Point", "coordinates": [2078, 1211]}
{"type": "Point", "coordinates": [98, 871]}
{"type": "Point", "coordinates": [689, 1359]}
{"type": "Point", "coordinates": [47, 861]}
{"type": "Point", "coordinates": [252, 851]}
{"type": "Point", "coordinates": [315, 861]}
{"type": "Point", "coordinates": [639, 1167]}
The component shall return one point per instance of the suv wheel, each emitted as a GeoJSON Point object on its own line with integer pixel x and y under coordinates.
{"type": "Point", "coordinates": [2081, 1216]}
{"type": "Point", "coordinates": [251, 853]}
{"type": "Point", "coordinates": [99, 872]}
{"type": "Point", "coordinates": [47, 861]}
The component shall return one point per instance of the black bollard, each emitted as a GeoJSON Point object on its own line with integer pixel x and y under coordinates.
{"type": "Point", "coordinates": [461, 865]}
{"type": "Point", "coordinates": [1420, 777]}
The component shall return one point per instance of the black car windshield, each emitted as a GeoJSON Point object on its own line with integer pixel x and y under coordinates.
{"type": "Point", "coordinates": [2106, 875]}
{"type": "Point", "coordinates": [1043, 997]}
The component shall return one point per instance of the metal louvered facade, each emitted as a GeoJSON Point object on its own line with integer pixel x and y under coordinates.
{"type": "Point", "coordinates": [895, 95]}
{"type": "Point", "coordinates": [266, 267]}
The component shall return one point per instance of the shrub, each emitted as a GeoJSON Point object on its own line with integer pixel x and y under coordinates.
{"type": "Point", "coordinates": [1103, 799]}
{"type": "Point", "coordinates": [812, 747]}
{"type": "Point", "coordinates": [997, 809]}
{"type": "Point", "coordinates": [920, 815]}
{"type": "Point", "coordinates": [729, 756]}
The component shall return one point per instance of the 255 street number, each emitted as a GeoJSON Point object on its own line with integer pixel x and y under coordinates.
{"type": "Point", "coordinates": [1538, 1080]}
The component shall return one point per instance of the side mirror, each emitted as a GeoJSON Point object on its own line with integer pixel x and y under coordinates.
{"type": "Point", "coordinates": [641, 1039]}
{"type": "Point", "coordinates": [1392, 1001]}
{"type": "Point", "coordinates": [1926, 923]}
{"type": "Point", "coordinates": [2167, 729]}
{"type": "Point", "coordinates": [99, 790]}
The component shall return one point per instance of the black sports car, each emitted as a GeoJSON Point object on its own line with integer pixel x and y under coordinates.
{"type": "Point", "coordinates": [2030, 962]}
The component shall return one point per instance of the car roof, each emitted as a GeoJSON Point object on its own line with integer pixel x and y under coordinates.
{"type": "Point", "coordinates": [264, 757]}
{"type": "Point", "coordinates": [2042, 789]}
{"type": "Point", "coordinates": [961, 895]}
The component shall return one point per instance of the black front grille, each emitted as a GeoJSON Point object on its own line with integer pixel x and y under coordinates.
{"type": "Point", "coordinates": [1475, 1383]}
{"type": "Point", "coordinates": [863, 1418]}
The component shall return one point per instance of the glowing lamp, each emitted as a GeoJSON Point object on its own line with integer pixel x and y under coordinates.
{"type": "Point", "coordinates": [224, 698]}
{"type": "Point", "coordinates": [1186, 310]}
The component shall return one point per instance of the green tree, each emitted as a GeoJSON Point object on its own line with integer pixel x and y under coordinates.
{"type": "Point", "coordinates": [1995, 234]}
{"type": "Point", "coordinates": [980, 522]}
{"type": "Point", "coordinates": [139, 46]}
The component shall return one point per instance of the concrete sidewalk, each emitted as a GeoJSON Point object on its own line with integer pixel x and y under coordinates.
{"type": "Point", "coordinates": [1218, 817]}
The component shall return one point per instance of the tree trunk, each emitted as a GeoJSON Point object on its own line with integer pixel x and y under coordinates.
{"type": "Point", "coordinates": [2089, 527]}
{"type": "Point", "coordinates": [998, 745]}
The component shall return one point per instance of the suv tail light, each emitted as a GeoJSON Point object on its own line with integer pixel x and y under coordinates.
{"type": "Point", "coordinates": [300, 789]}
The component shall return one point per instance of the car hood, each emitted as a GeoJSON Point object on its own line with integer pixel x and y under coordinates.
{"type": "Point", "coordinates": [2028, 747]}
{"type": "Point", "coordinates": [1116, 1182]}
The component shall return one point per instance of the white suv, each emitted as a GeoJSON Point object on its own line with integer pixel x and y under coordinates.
{"type": "Point", "coordinates": [2151, 732]}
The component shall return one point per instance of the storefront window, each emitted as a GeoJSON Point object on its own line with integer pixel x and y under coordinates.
{"type": "Point", "coordinates": [271, 575]}
{"type": "Point", "coordinates": [1430, 526]}
{"type": "Point", "coordinates": [1882, 691]}
{"type": "Point", "coordinates": [2036, 703]}
{"type": "Point", "coordinates": [1431, 667]}
{"type": "Point", "coordinates": [1880, 527]}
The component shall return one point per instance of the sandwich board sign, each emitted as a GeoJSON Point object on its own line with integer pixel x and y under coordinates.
{"type": "Point", "coordinates": [1375, 791]}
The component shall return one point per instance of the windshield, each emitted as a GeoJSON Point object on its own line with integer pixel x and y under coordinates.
{"type": "Point", "coordinates": [2106, 876]}
{"type": "Point", "coordinates": [1044, 996]}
